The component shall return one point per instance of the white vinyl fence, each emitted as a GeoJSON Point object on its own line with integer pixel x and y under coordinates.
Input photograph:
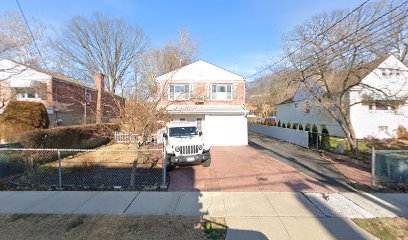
{"type": "Point", "coordinates": [125, 137]}
{"type": "Point", "coordinates": [294, 136]}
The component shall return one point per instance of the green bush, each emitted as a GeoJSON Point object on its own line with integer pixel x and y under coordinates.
{"type": "Point", "coordinates": [20, 116]}
{"type": "Point", "coordinates": [283, 125]}
{"type": "Point", "coordinates": [300, 127]}
{"type": "Point", "coordinates": [288, 126]}
{"type": "Point", "coordinates": [80, 136]}
{"type": "Point", "coordinates": [325, 140]}
{"type": "Point", "coordinates": [279, 123]}
{"type": "Point", "coordinates": [307, 128]}
{"type": "Point", "coordinates": [315, 136]}
{"type": "Point", "coordinates": [294, 126]}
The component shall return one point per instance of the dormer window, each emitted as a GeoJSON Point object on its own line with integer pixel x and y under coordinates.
{"type": "Point", "coordinates": [384, 73]}
{"type": "Point", "coordinates": [179, 92]}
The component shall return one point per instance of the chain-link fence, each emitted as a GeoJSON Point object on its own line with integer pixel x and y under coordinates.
{"type": "Point", "coordinates": [84, 169]}
{"type": "Point", "coordinates": [389, 167]}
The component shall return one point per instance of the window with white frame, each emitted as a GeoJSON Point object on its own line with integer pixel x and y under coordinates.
{"type": "Point", "coordinates": [382, 106]}
{"type": "Point", "coordinates": [221, 92]}
{"type": "Point", "coordinates": [29, 94]}
{"type": "Point", "coordinates": [179, 92]}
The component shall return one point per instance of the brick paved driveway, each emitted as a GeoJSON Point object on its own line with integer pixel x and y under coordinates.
{"type": "Point", "coordinates": [243, 169]}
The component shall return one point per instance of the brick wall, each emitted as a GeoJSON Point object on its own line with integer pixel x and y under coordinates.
{"type": "Point", "coordinates": [199, 91]}
{"type": "Point", "coordinates": [69, 103]}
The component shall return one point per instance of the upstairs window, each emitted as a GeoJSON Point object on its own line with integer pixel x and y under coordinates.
{"type": "Point", "coordinates": [379, 106]}
{"type": "Point", "coordinates": [221, 92]}
{"type": "Point", "coordinates": [179, 92]}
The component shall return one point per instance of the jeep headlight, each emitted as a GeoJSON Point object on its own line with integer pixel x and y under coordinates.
{"type": "Point", "coordinates": [200, 147]}
{"type": "Point", "coordinates": [177, 149]}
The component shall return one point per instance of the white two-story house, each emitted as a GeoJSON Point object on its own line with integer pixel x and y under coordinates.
{"type": "Point", "coordinates": [372, 116]}
{"type": "Point", "coordinates": [212, 97]}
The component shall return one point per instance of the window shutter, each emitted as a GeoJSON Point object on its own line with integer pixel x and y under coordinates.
{"type": "Point", "coordinates": [229, 92]}
{"type": "Point", "coordinates": [43, 91]}
{"type": "Point", "coordinates": [235, 92]}
{"type": "Point", "coordinates": [214, 92]}
{"type": "Point", "coordinates": [186, 92]}
{"type": "Point", "coordinates": [171, 95]}
{"type": "Point", "coordinates": [208, 91]}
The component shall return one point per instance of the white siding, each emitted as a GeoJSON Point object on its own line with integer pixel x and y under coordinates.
{"type": "Point", "coordinates": [366, 122]}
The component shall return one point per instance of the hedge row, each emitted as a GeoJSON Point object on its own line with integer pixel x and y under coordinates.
{"type": "Point", "coordinates": [80, 136]}
{"type": "Point", "coordinates": [314, 139]}
{"type": "Point", "coordinates": [83, 136]}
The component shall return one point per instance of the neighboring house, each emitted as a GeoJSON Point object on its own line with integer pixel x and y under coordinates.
{"type": "Point", "coordinates": [209, 95]}
{"type": "Point", "coordinates": [68, 102]}
{"type": "Point", "coordinates": [371, 115]}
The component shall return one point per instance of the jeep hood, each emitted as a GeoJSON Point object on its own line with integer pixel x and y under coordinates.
{"type": "Point", "coordinates": [184, 141]}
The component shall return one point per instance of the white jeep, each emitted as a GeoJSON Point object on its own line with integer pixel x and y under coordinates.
{"type": "Point", "coordinates": [184, 146]}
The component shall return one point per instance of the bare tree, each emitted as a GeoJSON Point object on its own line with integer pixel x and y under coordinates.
{"type": "Point", "coordinates": [16, 43]}
{"type": "Point", "coordinates": [267, 91]}
{"type": "Point", "coordinates": [142, 113]}
{"type": "Point", "coordinates": [396, 31]}
{"type": "Point", "coordinates": [334, 60]}
{"type": "Point", "coordinates": [173, 55]}
{"type": "Point", "coordinates": [100, 44]}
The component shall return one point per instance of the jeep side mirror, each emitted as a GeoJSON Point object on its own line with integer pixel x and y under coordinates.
{"type": "Point", "coordinates": [165, 135]}
{"type": "Point", "coordinates": [200, 133]}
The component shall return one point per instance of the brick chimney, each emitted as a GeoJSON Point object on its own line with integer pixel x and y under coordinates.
{"type": "Point", "coordinates": [100, 85]}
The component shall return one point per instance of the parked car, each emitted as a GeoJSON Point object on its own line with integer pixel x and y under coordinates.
{"type": "Point", "coordinates": [184, 146]}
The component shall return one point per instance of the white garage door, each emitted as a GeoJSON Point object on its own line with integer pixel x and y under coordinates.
{"type": "Point", "coordinates": [226, 130]}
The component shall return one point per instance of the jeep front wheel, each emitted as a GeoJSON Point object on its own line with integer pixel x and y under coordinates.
{"type": "Point", "coordinates": [207, 163]}
{"type": "Point", "coordinates": [169, 165]}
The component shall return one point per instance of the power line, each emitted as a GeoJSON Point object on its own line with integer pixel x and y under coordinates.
{"type": "Point", "coordinates": [354, 32]}
{"type": "Point", "coordinates": [372, 42]}
{"type": "Point", "coordinates": [304, 45]}
{"type": "Point", "coordinates": [29, 30]}
{"type": "Point", "coordinates": [366, 25]}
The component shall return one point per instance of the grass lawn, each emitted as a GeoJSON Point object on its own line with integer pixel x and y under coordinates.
{"type": "Point", "coordinates": [108, 157]}
{"type": "Point", "coordinates": [29, 226]}
{"type": "Point", "coordinates": [385, 228]}
{"type": "Point", "coordinates": [361, 145]}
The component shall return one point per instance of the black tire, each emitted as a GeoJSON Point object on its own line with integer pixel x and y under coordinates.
{"type": "Point", "coordinates": [207, 163]}
{"type": "Point", "coordinates": [169, 166]}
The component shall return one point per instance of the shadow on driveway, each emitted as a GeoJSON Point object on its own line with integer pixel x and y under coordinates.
{"type": "Point", "coordinates": [304, 160]}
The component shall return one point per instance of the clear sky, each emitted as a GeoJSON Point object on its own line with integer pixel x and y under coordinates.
{"type": "Point", "coordinates": [237, 35]}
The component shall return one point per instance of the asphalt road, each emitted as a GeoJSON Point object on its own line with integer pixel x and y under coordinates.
{"type": "Point", "coordinates": [304, 160]}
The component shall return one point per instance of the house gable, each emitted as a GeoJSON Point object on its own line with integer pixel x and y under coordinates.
{"type": "Point", "coordinates": [200, 71]}
{"type": "Point", "coordinates": [390, 76]}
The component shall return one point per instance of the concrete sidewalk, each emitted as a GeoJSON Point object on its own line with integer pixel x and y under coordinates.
{"type": "Point", "coordinates": [267, 214]}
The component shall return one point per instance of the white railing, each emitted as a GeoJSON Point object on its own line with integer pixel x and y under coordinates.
{"type": "Point", "coordinates": [125, 137]}
{"type": "Point", "coordinates": [293, 136]}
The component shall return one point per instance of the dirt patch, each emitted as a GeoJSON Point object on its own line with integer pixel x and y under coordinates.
{"type": "Point", "coordinates": [23, 226]}
{"type": "Point", "coordinates": [385, 228]}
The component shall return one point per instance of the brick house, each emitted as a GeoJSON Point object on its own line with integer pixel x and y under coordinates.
{"type": "Point", "coordinates": [68, 102]}
{"type": "Point", "coordinates": [212, 97]}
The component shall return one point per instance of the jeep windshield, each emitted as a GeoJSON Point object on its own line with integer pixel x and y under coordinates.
{"type": "Point", "coordinates": [182, 131]}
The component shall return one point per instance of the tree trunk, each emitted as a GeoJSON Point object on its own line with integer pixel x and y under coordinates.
{"type": "Point", "coordinates": [351, 136]}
